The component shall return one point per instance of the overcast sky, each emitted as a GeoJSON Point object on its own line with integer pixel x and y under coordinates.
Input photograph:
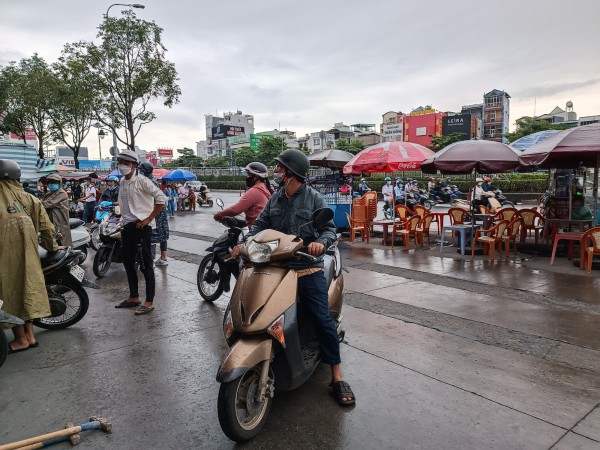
{"type": "Point", "coordinates": [307, 64]}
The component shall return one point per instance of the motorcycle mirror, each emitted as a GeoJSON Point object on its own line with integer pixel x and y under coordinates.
{"type": "Point", "coordinates": [219, 203]}
{"type": "Point", "coordinates": [321, 216]}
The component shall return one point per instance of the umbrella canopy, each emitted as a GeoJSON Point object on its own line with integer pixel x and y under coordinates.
{"type": "Point", "coordinates": [334, 159]}
{"type": "Point", "coordinates": [525, 142]}
{"type": "Point", "coordinates": [388, 157]}
{"type": "Point", "coordinates": [115, 173]}
{"type": "Point", "coordinates": [567, 149]}
{"type": "Point", "coordinates": [79, 175]}
{"type": "Point", "coordinates": [160, 173]}
{"type": "Point", "coordinates": [466, 156]}
{"type": "Point", "coordinates": [179, 175]}
{"type": "Point", "coordinates": [56, 168]}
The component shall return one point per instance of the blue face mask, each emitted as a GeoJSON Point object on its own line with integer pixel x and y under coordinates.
{"type": "Point", "coordinates": [112, 188]}
{"type": "Point", "coordinates": [389, 182]}
{"type": "Point", "coordinates": [53, 187]}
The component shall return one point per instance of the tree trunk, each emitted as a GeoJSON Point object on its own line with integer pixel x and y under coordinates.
{"type": "Point", "coordinates": [76, 157]}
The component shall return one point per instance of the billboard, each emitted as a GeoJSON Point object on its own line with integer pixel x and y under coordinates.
{"type": "Point", "coordinates": [165, 152]}
{"type": "Point", "coordinates": [393, 131]}
{"type": "Point", "coordinates": [255, 139]}
{"type": "Point", "coordinates": [457, 124]}
{"type": "Point", "coordinates": [225, 131]}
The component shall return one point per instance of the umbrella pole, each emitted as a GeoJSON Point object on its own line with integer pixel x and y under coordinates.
{"type": "Point", "coordinates": [595, 222]}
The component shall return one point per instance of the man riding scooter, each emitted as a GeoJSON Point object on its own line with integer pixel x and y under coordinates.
{"type": "Point", "coordinates": [286, 211]}
{"type": "Point", "coordinates": [111, 193]}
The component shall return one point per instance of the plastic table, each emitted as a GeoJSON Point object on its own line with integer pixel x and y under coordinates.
{"type": "Point", "coordinates": [462, 237]}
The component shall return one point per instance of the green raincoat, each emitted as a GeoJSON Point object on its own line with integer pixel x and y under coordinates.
{"type": "Point", "coordinates": [57, 207]}
{"type": "Point", "coordinates": [22, 285]}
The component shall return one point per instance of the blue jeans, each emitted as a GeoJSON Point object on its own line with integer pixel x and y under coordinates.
{"type": "Point", "coordinates": [89, 211]}
{"type": "Point", "coordinates": [171, 207]}
{"type": "Point", "coordinates": [312, 290]}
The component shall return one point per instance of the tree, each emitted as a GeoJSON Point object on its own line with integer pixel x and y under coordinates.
{"type": "Point", "coordinates": [130, 70]}
{"type": "Point", "coordinates": [440, 142]}
{"type": "Point", "coordinates": [27, 98]}
{"type": "Point", "coordinates": [527, 125]}
{"type": "Point", "coordinates": [187, 159]}
{"type": "Point", "coordinates": [244, 156]}
{"type": "Point", "coordinates": [354, 146]}
{"type": "Point", "coordinates": [218, 161]}
{"type": "Point", "coordinates": [269, 148]}
{"type": "Point", "coordinates": [74, 102]}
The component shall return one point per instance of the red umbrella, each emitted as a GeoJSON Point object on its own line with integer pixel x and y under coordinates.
{"type": "Point", "coordinates": [159, 173]}
{"type": "Point", "coordinates": [394, 156]}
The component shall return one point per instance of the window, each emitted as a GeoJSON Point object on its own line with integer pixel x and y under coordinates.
{"type": "Point", "coordinates": [316, 141]}
{"type": "Point", "coordinates": [492, 117]}
{"type": "Point", "coordinates": [421, 131]}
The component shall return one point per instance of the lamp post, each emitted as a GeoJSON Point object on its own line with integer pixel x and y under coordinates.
{"type": "Point", "coordinates": [112, 119]}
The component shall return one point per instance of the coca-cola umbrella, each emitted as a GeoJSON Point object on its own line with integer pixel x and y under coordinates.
{"type": "Point", "coordinates": [396, 156]}
{"type": "Point", "coordinates": [333, 159]}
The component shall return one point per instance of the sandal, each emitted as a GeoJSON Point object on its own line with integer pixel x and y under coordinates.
{"type": "Point", "coordinates": [143, 310]}
{"type": "Point", "coordinates": [12, 351]}
{"type": "Point", "coordinates": [342, 390]}
{"type": "Point", "coordinates": [126, 304]}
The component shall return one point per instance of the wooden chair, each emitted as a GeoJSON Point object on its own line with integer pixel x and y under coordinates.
{"type": "Point", "coordinates": [421, 211]}
{"type": "Point", "coordinates": [406, 230]}
{"type": "Point", "coordinates": [532, 221]}
{"type": "Point", "coordinates": [492, 238]}
{"type": "Point", "coordinates": [402, 212]}
{"type": "Point", "coordinates": [512, 231]}
{"type": "Point", "coordinates": [358, 223]}
{"type": "Point", "coordinates": [423, 229]}
{"type": "Point", "coordinates": [587, 253]}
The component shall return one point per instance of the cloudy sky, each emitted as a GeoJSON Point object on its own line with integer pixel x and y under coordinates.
{"type": "Point", "coordinates": [307, 64]}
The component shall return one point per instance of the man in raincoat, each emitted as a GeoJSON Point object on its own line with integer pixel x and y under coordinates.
{"type": "Point", "coordinates": [22, 285]}
{"type": "Point", "coordinates": [56, 202]}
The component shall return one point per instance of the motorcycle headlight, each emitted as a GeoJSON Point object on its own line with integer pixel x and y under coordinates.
{"type": "Point", "coordinates": [260, 252]}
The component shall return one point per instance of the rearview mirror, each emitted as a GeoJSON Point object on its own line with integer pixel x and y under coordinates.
{"type": "Point", "coordinates": [321, 216]}
{"type": "Point", "coordinates": [219, 203]}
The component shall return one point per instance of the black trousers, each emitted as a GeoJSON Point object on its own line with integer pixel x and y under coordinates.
{"type": "Point", "coordinates": [131, 238]}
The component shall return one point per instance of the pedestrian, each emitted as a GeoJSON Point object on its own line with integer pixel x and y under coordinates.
{"type": "Point", "coordinates": [111, 193]}
{"type": "Point", "coordinates": [289, 210]}
{"type": "Point", "coordinates": [56, 202]}
{"type": "Point", "coordinates": [192, 197]}
{"type": "Point", "coordinates": [89, 200]}
{"type": "Point", "coordinates": [160, 234]}
{"type": "Point", "coordinates": [141, 201]}
{"type": "Point", "coordinates": [76, 190]}
{"type": "Point", "coordinates": [182, 193]}
{"type": "Point", "coordinates": [171, 195]}
{"type": "Point", "coordinates": [22, 284]}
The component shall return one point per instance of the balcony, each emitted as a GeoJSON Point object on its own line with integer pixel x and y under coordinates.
{"type": "Point", "coordinates": [493, 121]}
{"type": "Point", "coordinates": [493, 106]}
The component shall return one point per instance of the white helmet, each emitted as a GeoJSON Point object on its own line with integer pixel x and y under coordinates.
{"type": "Point", "coordinates": [257, 169]}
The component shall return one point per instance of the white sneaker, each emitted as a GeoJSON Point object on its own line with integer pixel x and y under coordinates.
{"type": "Point", "coordinates": [161, 262]}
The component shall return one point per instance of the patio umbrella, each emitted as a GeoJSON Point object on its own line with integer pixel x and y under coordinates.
{"type": "Point", "coordinates": [333, 159]}
{"type": "Point", "coordinates": [525, 142]}
{"type": "Point", "coordinates": [388, 157]}
{"type": "Point", "coordinates": [52, 168]}
{"type": "Point", "coordinates": [79, 175]}
{"type": "Point", "coordinates": [179, 175]}
{"type": "Point", "coordinates": [160, 173]}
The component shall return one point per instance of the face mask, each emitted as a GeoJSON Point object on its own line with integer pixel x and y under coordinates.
{"type": "Point", "coordinates": [111, 188]}
{"type": "Point", "coordinates": [125, 170]}
{"type": "Point", "coordinates": [278, 178]}
{"type": "Point", "coordinates": [53, 187]}
{"type": "Point", "coordinates": [389, 182]}
{"type": "Point", "coordinates": [249, 181]}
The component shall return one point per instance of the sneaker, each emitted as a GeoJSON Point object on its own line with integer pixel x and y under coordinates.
{"type": "Point", "coordinates": [161, 262]}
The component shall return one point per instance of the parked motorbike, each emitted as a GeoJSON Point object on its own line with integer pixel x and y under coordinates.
{"type": "Point", "coordinates": [216, 268]}
{"type": "Point", "coordinates": [102, 210]}
{"type": "Point", "coordinates": [271, 338]}
{"type": "Point", "coordinates": [204, 197]}
{"type": "Point", "coordinates": [10, 320]}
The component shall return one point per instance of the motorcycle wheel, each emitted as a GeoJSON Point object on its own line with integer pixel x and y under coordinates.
{"type": "Point", "coordinates": [210, 203]}
{"type": "Point", "coordinates": [102, 261]}
{"type": "Point", "coordinates": [77, 301]}
{"type": "Point", "coordinates": [209, 283]}
{"type": "Point", "coordinates": [240, 415]}
{"type": "Point", "coordinates": [3, 347]}
{"type": "Point", "coordinates": [95, 238]}
{"type": "Point", "coordinates": [427, 204]}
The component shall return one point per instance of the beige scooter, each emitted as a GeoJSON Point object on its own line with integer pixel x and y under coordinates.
{"type": "Point", "coordinates": [272, 341]}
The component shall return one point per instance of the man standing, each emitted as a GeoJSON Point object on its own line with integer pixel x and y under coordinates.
{"type": "Point", "coordinates": [141, 201]}
{"type": "Point", "coordinates": [56, 202]}
{"type": "Point", "coordinates": [89, 200]}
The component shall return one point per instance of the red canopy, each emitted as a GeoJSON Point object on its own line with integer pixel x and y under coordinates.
{"type": "Point", "coordinates": [394, 156]}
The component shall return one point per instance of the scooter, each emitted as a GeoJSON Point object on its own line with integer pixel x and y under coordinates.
{"type": "Point", "coordinates": [80, 236]}
{"type": "Point", "coordinates": [10, 320]}
{"type": "Point", "coordinates": [102, 210]}
{"type": "Point", "coordinates": [216, 268]}
{"type": "Point", "coordinates": [271, 338]}
{"type": "Point", "coordinates": [204, 197]}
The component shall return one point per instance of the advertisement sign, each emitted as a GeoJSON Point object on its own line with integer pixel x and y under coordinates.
{"type": "Point", "coordinates": [29, 136]}
{"type": "Point", "coordinates": [457, 124]}
{"type": "Point", "coordinates": [167, 161]}
{"type": "Point", "coordinates": [165, 152]}
{"type": "Point", "coordinates": [225, 131]}
{"type": "Point", "coordinates": [393, 132]}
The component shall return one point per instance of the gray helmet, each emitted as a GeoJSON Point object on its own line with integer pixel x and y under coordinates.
{"type": "Point", "coordinates": [9, 170]}
{"type": "Point", "coordinates": [128, 155]}
{"type": "Point", "coordinates": [146, 169]}
{"type": "Point", "coordinates": [295, 161]}
{"type": "Point", "coordinates": [257, 169]}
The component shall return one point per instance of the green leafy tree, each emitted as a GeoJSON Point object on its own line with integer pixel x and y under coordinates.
{"type": "Point", "coordinates": [130, 70]}
{"type": "Point", "coordinates": [354, 146]}
{"type": "Point", "coordinates": [218, 161]}
{"type": "Point", "coordinates": [244, 156]}
{"type": "Point", "coordinates": [27, 98]}
{"type": "Point", "coordinates": [527, 125]}
{"type": "Point", "coordinates": [439, 142]}
{"type": "Point", "coordinates": [269, 148]}
{"type": "Point", "coordinates": [187, 159]}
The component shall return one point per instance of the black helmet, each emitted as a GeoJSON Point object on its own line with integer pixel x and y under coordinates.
{"type": "Point", "coordinates": [9, 170]}
{"type": "Point", "coordinates": [146, 169]}
{"type": "Point", "coordinates": [295, 161]}
{"type": "Point", "coordinates": [257, 169]}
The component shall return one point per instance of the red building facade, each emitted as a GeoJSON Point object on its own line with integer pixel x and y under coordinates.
{"type": "Point", "coordinates": [421, 123]}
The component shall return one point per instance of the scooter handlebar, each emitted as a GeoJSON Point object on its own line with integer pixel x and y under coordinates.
{"type": "Point", "coordinates": [307, 256]}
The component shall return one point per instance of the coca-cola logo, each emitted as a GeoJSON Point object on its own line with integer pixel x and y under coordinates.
{"type": "Point", "coordinates": [408, 166]}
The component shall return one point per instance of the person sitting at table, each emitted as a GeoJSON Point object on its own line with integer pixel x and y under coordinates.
{"type": "Point", "coordinates": [388, 193]}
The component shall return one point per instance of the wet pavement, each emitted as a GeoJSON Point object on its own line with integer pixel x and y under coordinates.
{"type": "Point", "coordinates": [442, 351]}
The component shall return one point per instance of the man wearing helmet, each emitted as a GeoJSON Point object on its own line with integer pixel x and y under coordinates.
{"type": "Point", "coordinates": [487, 185]}
{"type": "Point", "coordinates": [362, 187]}
{"type": "Point", "coordinates": [288, 210]}
{"type": "Point", "coordinates": [141, 201]}
{"type": "Point", "coordinates": [388, 193]}
{"type": "Point", "coordinates": [111, 193]}
{"type": "Point", "coordinates": [22, 284]}
{"type": "Point", "coordinates": [56, 202]}
{"type": "Point", "coordinates": [255, 198]}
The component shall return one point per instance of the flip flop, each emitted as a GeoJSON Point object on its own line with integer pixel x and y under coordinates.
{"type": "Point", "coordinates": [36, 345]}
{"type": "Point", "coordinates": [143, 310]}
{"type": "Point", "coordinates": [126, 304]}
{"type": "Point", "coordinates": [342, 390]}
{"type": "Point", "coordinates": [11, 351]}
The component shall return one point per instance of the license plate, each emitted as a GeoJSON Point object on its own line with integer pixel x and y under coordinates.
{"type": "Point", "coordinates": [77, 272]}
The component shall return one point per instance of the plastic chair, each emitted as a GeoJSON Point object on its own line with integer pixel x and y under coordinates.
{"type": "Point", "coordinates": [423, 229]}
{"type": "Point", "coordinates": [370, 198]}
{"type": "Point", "coordinates": [505, 214]}
{"type": "Point", "coordinates": [484, 210]}
{"type": "Point", "coordinates": [421, 211]}
{"type": "Point", "coordinates": [406, 230]}
{"type": "Point", "coordinates": [358, 222]}
{"type": "Point", "coordinates": [512, 231]}
{"type": "Point", "coordinates": [457, 216]}
{"type": "Point", "coordinates": [532, 221]}
{"type": "Point", "coordinates": [592, 235]}
{"type": "Point", "coordinates": [492, 238]}
{"type": "Point", "coordinates": [402, 212]}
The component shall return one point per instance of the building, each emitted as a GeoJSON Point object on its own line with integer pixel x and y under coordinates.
{"type": "Point", "coordinates": [392, 126]}
{"type": "Point", "coordinates": [476, 113]}
{"type": "Point", "coordinates": [225, 134]}
{"type": "Point", "coordinates": [465, 124]}
{"type": "Point", "coordinates": [496, 112]}
{"type": "Point", "coordinates": [588, 120]}
{"type": "Point", "coordinates": [561, 116]}
{"type": "Point", "coordinates": [421, 123]}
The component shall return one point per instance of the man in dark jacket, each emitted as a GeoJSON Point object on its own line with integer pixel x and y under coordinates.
{"type": "Point", "coordinates": [286, 211]}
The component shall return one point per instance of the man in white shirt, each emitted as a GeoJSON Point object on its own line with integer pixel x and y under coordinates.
{"type": "Point", "coordinates": [89, 199]}
{"type": "Point", "coordinates": [388, 193]}
{"type": "Point", "coordinates": [141, 201]}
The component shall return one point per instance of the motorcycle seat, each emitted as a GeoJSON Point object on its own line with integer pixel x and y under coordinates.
{"type": "Point", "coordinates": [74, 223]}
{"type": "Point", "coordinates": [50, 258]}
